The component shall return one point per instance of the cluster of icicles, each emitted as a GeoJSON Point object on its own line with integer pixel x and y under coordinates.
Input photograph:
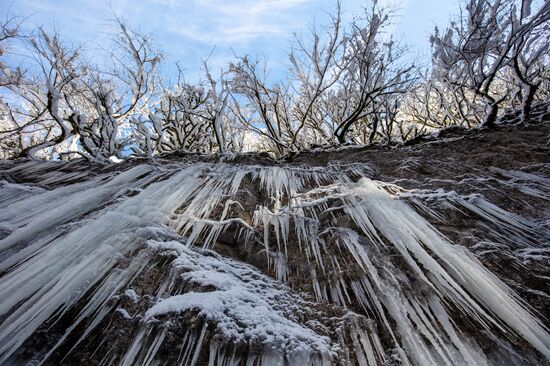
{"type": "Point", "coordinates": [385, 287]}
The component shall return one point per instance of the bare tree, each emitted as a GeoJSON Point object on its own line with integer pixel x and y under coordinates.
{"type": "Point", "coordinates": [70, 100]}
{"type": "Point", "coordinates": [345, 84]}
{"type": "Point", "coordinates": [10, 29]}
{"type": "Point", "coordinates": [529, 54]}
{"type": "Point", "coordinates": [10, 79]}
{"type": "Point", "coordinates": [179, 122]}
{"type": "Point", "coordinates": [374, 69]}
{"type": "Point", "coordinates": [122, 94]}
{"type": "Point", "coordinates": [317, 64]}
{"type": "Point", "coordinates": [46, 121]}
{"type": "Point", "coordinates": [434, 104]}
{"type": "Point", "coordinates": [216, 105]}
{"type": "Point", "coordinates": [476, 48]}
{"type": "Point", "coordinates": [338, 78]}
{"type": "Point", "coordinates": [268, 109]}
{"type": "Point", "coordinates": [543, 92]}
{"type": "Point", "coordinates": [190, 116]}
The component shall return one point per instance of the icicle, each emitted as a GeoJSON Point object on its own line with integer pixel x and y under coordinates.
{"type": "Point", "coordinates": [360, 244]}
{"type": "Point", "coordinates": [457, 274]}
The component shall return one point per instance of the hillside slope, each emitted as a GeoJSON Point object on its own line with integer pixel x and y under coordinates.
{"type": "Point", "coordinates": [437, 253]}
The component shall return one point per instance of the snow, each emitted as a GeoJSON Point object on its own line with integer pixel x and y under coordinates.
{"type": "Point", "coordinates": [131, 294]}
{"type": "Point", "coordinates": [246, 306]}
{"type": "Point", "coordinates": [124, 313]}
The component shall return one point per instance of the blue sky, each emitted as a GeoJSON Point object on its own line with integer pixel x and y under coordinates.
{"type": "Point", "coordinates": [188, 30]}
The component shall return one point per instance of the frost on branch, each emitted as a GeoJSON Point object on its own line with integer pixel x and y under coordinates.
{"type": "Point", "coordinates": [489, 39]}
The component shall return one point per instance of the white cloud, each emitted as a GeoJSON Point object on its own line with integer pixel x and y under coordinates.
{"type": "Point", "coordinates": [188, 30]}
{"type": "Point", "coordinates": [229, 21]}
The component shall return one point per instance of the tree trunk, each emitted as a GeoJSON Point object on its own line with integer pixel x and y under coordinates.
{"type": "Point", "coordinates": [219, 135]}
{"type": "Point", "coordinates": [341, 134]}
{"type": "Point", "coordinates": [374, 128]}
{"type": "Point", "coordinates": [526, 101]}
{"type": "Point", "coordinates": [491, 117]}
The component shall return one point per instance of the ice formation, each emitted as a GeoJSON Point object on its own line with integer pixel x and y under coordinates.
{"type": "Point", "coordinates": [147, 266]}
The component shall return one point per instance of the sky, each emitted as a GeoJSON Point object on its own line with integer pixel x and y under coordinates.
{"type": "Point", "coordinates": [188, 31]}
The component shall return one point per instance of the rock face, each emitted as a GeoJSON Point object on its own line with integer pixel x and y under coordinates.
{"type": "Point", "coordinates": [432, 254]}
